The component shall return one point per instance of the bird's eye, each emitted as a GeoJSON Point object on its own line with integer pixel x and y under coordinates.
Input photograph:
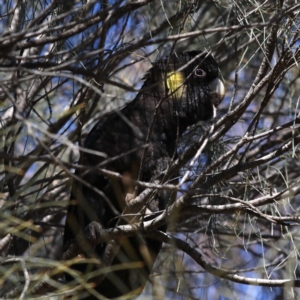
{"type": "Point", "coordinates": [200, 73]}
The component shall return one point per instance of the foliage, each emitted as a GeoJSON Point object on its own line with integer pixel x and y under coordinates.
{"type": "Point", "coordinates": [64, 64]}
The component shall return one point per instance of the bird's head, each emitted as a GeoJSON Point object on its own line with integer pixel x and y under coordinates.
{"type": "Point", "coordinates": [189, 82]}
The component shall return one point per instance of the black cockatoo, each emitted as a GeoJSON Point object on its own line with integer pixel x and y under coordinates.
{"type": "Point", "coordinates": [179, 91]}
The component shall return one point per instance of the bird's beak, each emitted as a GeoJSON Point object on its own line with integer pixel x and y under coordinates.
{"type": "Point", "coordinates": [217, 86]}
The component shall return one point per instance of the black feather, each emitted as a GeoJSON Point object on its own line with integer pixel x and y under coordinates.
{"type": "Point", "coordinates": [174, 96]}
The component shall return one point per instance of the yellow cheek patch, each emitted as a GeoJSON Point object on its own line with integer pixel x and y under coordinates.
{"type": "Point", "coordinates": [175, 83]}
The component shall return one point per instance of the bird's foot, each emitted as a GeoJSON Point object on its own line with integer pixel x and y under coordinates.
{"type": "Point", "coordinates": [92, 233]}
